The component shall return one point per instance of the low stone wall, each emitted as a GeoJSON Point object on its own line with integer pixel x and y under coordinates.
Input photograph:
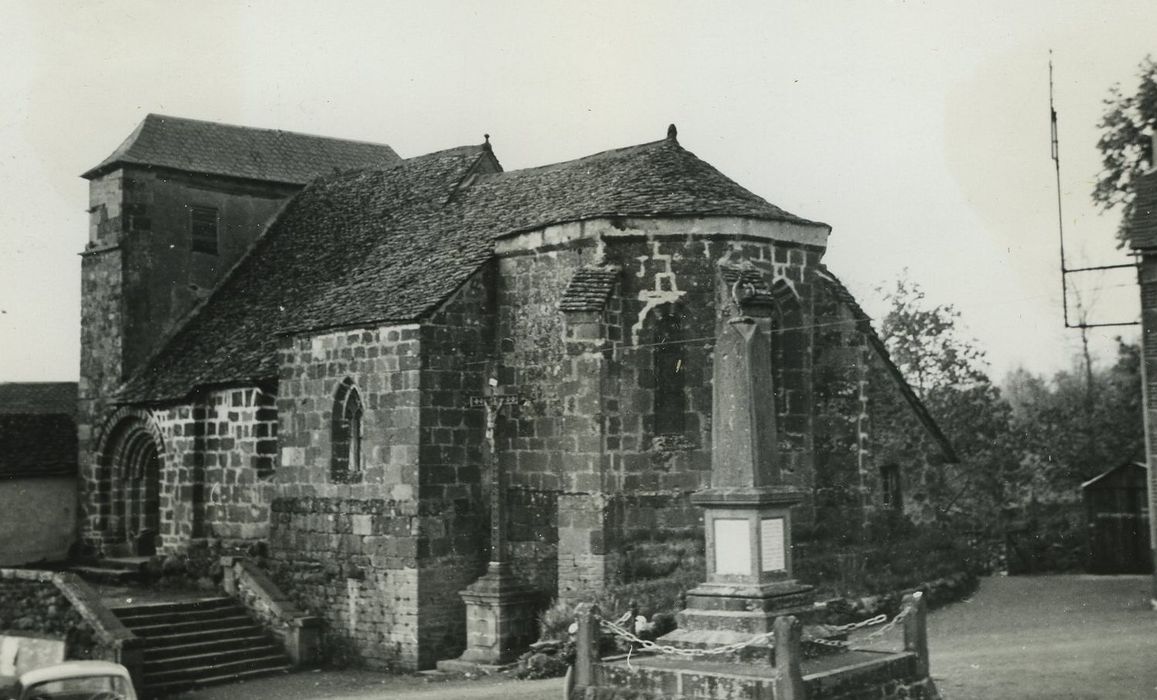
{"type": "Point", "coordinates": [62, 606]}
{"type": "Point", "coordinates": [31, 603]}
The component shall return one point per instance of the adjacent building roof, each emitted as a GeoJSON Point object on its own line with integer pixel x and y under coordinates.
{"type": "Point", "coordinates": [38, 429]}
{"type": "Point", "coordinates": [864, 323]}
{"type": "Point", "coordinates": [1127, 466]}
{"type": "Point", "coordinates": [388, 246]}
{"type": "Point", "coordinates": [38, 398]}
{"type": "Point", "coordinates": [238, 151]}
{"type": "Point", "coordinates": [1141, 228]}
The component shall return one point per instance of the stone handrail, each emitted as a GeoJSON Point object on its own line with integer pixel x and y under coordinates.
{"type": "Point", "coordinates": [299, 631]}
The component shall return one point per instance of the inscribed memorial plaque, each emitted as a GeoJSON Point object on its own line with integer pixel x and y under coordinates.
{"type": "Point", "coordinates": [771, 534]}
{"type": "Point", "coordinates": [732, 547]}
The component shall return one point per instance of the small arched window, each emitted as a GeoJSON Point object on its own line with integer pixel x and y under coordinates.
{"type": "Point", "coordinates": [346, 436]}
{"type": "Point", "coordinates": [891, 490]}
{"type": "Point", "coordinates": [670, 403]}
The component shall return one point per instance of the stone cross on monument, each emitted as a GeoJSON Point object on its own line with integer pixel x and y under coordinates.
{"type": "Point", "coordinates": [500, 619]}
{"type": "Point", "coordinates": [747, 508]}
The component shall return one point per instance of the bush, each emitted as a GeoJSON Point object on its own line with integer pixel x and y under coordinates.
{"type": "Point", "coordinates": [900, 556]}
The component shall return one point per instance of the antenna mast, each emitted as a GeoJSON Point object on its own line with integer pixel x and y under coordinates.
{"type": "Point", "coordinates": [1056, 154]}
{"type": "Point", "coordinates": [1065, 271]}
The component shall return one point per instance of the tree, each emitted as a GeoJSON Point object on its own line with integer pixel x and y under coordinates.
{"type": "Point", "coordinates": [1070, 427]}
{"type": "Point", "coordinates": [948, 371]}
{"type": "Point", "coordinates": [1071, 434]}
{"type": "Point", "coordinates": [1125, 127]}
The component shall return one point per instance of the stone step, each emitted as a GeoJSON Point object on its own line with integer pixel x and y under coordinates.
{"type": "Point", "coordinates": [229, 667]}
{"type": "Point", "coordinates": [168, 689]}
{"type": "Point", "coordinates": [126, 563]}
{"type": "Point", "coordinates": [127, 612]}
{"type": "Point", "coordinates": [254, 652]}
{"type": "Point", "coordinates": [107, 575]}
{"type": "Point", "coordinates": [201, 641]}
{"type": "Point", "coordinates": [161, 652]}
{"type": "Point", "coordinates": [228, 619]}
{"type": "Point", "coordinates": [147, 619]}
{"type": "Point", "coordinates": [163, 690]}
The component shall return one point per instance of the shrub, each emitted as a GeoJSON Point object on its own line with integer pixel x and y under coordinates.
{"type": "Point", "coordinates": [896, 556]}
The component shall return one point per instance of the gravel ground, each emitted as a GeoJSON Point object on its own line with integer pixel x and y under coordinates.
{"type": "Point", "coordinates": [1019, 638]}
{"type": "Point", "coordinates": [367, 685]}
{"type": "Point", "coordinates": [1048, 638]}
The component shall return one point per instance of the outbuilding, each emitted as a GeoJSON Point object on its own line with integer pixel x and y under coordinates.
{"type": "Point", "coordinates": [1118, 513]}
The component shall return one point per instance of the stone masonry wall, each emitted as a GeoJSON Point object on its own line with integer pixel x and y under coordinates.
{"type": "Point", "coordinates": [219, 462]}
{"type": "Point", "coordinates": [163, 276]}
{"type": "Point", "coordinates": [453, 516]}
{"type": "Point", "coordinates": [347, 549]}
{"type": "Point", "coordinates": [355, 563]}
{"type": "Point", "coordinates": [139, 275]}
{"type": "Point", "coordinates": [552, 435]}
{"type": "Point", "coordinates": [864, 423]}
{"type": "Point", "coordinates": [216, 457]}
{"type": "Point", "coordinates": [587, 440]}
{"type": "Point", "coordinates": [845, 482]}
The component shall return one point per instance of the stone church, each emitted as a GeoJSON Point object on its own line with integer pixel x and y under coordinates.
{"type": "Point", "coordinates": [315, 350]}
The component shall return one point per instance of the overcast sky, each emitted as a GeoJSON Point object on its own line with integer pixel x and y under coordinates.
{"type": "Point", "coordinates": [919, 131]}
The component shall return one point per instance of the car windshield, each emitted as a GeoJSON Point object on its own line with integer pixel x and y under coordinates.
{"type": "Point", "coordinates": [86, 688]}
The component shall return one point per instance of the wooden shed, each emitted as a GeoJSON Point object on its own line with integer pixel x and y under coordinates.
{"type": "Point", "coordinates": [1118, 510]}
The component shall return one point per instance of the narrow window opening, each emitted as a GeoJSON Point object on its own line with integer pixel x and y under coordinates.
{"type": "Point", "coordinates": [346, 434]}
{"type": "Point", "coordinates": [891, 491]}
{"type": "Point", "coordinates": [203, 222]}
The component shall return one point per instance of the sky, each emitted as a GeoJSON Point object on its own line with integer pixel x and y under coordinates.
{"type": "Point", "coordinates": [918, 130]}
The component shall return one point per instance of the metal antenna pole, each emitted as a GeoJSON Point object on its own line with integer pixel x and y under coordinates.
{"type": "Point", "coordinates": [1056, 154]}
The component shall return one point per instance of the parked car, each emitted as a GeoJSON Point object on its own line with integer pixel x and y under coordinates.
{"type": "Point", "coordinates": [71, 680]}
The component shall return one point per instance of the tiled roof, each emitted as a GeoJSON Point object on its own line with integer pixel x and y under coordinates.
{"type": "Point", "coordinates": [1141, 228]}
{"type": "Point", "coordinates": [864, 323]}
{"type": "Point", "coordinates": [244, 152]}
{"type": "Point", "coordinates": [387, 246]}
{"type": "Point", "coordinates": [37, 429]}
{"type": "Point", "coordinates": [38, 398]}
{"type": "Point", "coordinates": [590, 288]}
{"type": "Point", "coordinates": [37, 445]}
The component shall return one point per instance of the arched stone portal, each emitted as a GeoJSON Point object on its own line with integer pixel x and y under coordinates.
{"type": "Point", "coordinates": [130, 486]}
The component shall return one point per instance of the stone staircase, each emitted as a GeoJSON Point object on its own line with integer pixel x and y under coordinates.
{"type": "Point", "coordinates": [113, 570]}
{"type": "Point", "coordinates": [205, 641]}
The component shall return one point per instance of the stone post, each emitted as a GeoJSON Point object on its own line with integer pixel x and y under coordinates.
{"type": "Point", "coordinates": [303, 640]}
{"type": "Point", "coordinates": [788, 655]}
{"type": "Point", "coordinates": [916, 631]}
{"type": "Point", "coordinates": [130, 653]}
{"type": "Point", "coordinates": [586, 645]}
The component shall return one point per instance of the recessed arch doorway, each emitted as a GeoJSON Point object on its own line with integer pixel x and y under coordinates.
{"type": "Point", "coordinates": [131, 487]}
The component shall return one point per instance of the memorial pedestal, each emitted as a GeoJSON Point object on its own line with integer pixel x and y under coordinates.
{"type": "Point", "coordinates": [500, 622]}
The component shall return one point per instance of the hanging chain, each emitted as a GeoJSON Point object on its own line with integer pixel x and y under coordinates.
{"type": "Point", "coordinates": [647, 645]}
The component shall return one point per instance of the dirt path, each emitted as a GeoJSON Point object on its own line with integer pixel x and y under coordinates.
{"type": "Point", "coordinates": [1048, 637]}
{"type": "Point", "coordinates": [367, 685]}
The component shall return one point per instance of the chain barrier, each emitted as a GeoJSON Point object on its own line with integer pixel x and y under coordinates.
{"type": "Point", "coordinates": [626, 635]}
{"type": "Point", "coordinates": [876, 634]}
